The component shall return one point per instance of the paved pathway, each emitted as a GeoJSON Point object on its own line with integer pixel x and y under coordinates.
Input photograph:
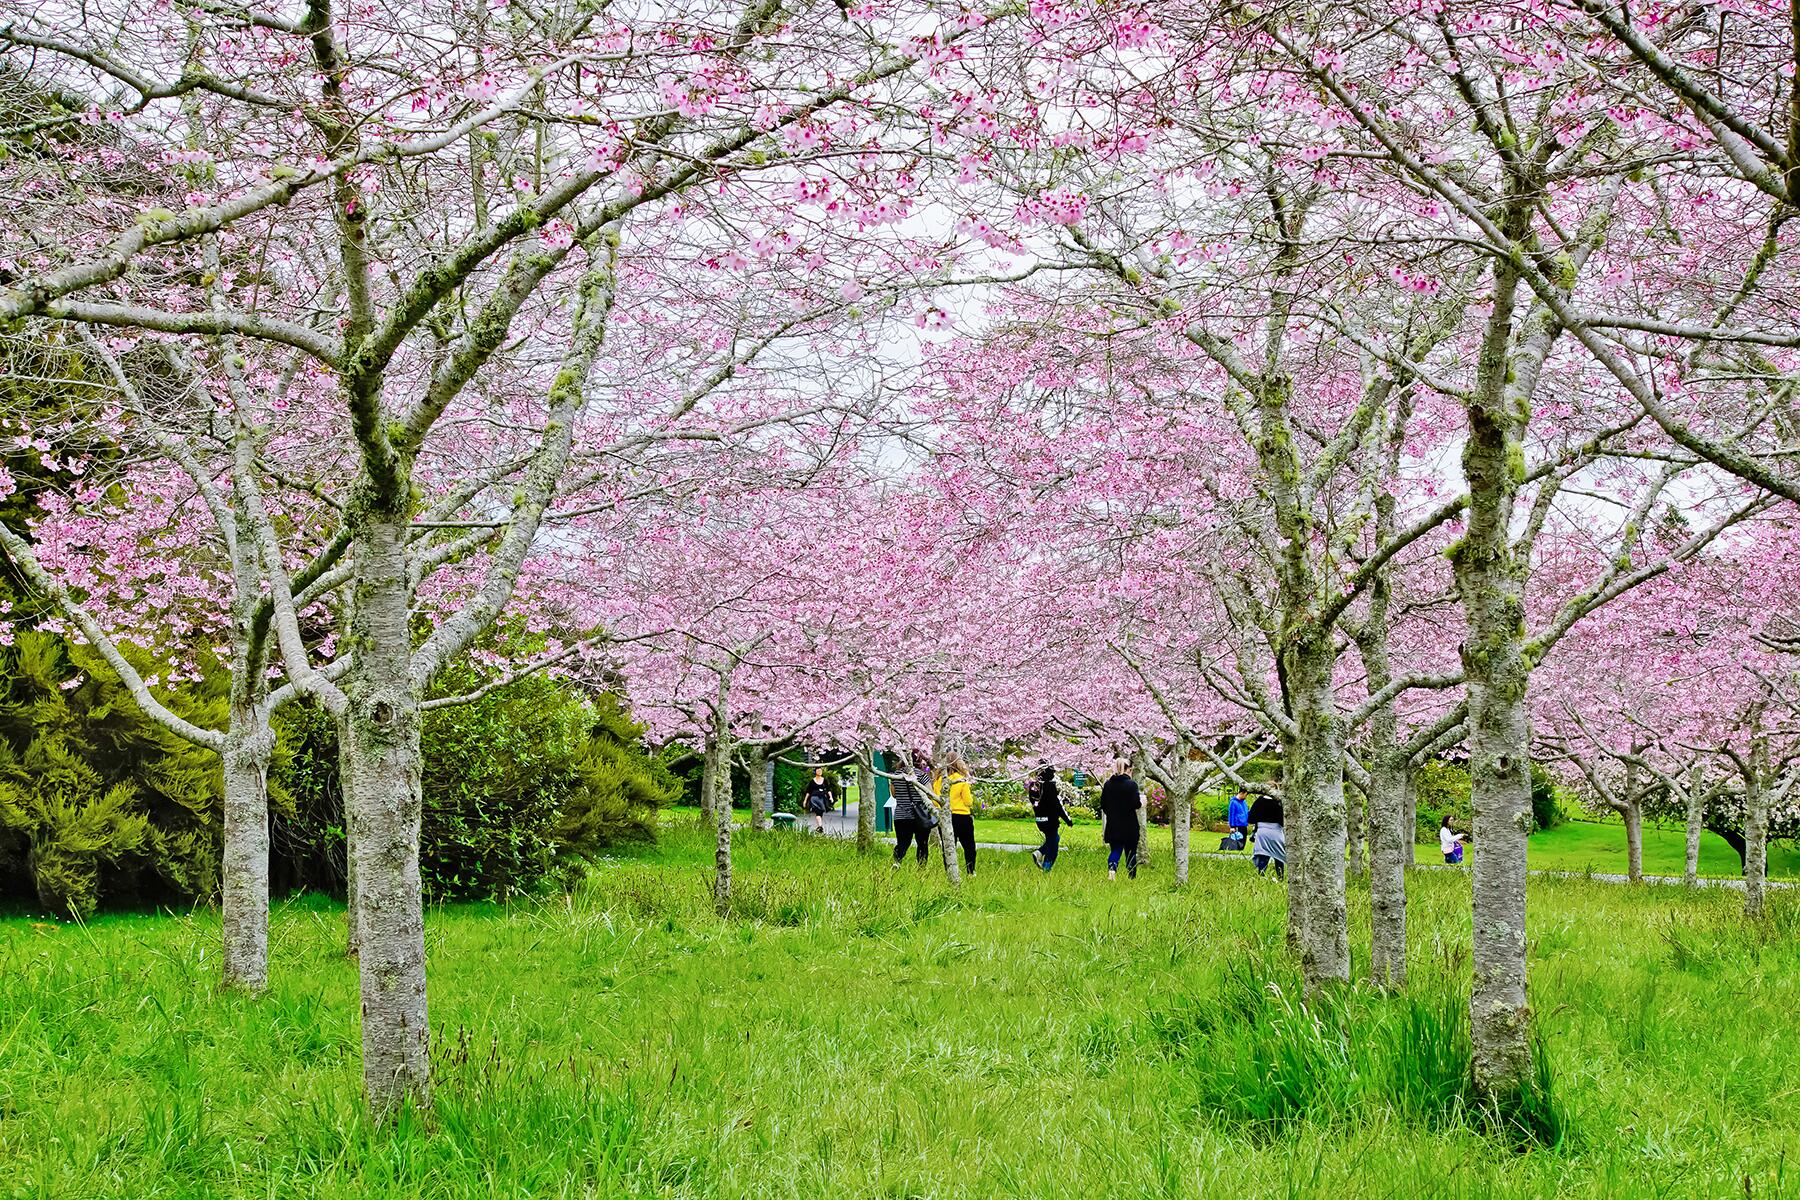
{"type": "Point", "coordinates": [841, 822]}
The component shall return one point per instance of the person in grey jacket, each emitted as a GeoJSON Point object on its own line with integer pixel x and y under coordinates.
{"type": "Point", "coordinates": [914, 818]}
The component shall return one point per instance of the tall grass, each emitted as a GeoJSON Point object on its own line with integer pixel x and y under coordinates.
{"type": "Point", "coordinates": [854, 1030]}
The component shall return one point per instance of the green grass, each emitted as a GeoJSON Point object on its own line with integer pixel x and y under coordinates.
{"type": "Point", "coordinates": [1008, 831]}
{"type": "Point", "coordinates": [1573, 846]}
{"type": "Point", "coordinates": [1599, 846]}
{"type": "Point", "coordinates": [857, 1031]}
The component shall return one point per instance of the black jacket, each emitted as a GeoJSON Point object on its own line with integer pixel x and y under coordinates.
{"type": "Point", "coordinates": [1047, 803]}
{"type": "Point", "coordinates": [1265, 810]}
{"type": "Point", "coordinates": [1119, 802]}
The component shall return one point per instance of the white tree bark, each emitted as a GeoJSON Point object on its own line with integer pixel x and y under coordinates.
{"type": "Point", "coordinates": [1181, 831]}
{"type": "Point", "coordinates": [1756, 822]}
{"type": "Point", "coordinates": [244, 871]}
{"type": "Point", "coordinates": [865, 799]}
{"type": "Point", "coordinates": [1315, 793]}
{"type": "Point", "coordinates": [385, 812]}
{"type": "Point", "coordinates": [709, 771]}
{"type": "Point", "coordinates": [1356, 824]}
{"type": "Point", "coordinates": [756, 764]}
{"type": "Point", "coordinates": [1696, 818]}
{"type": "Point", "coordinates": [1490, 585]}
{"type": "Point", "coordinates": [1389, 850]}
{"type": "Point", "coordinates": [715, 802]}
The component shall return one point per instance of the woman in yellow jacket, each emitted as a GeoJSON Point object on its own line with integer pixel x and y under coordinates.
{"type": "Point", "coordinates": [962, 816]}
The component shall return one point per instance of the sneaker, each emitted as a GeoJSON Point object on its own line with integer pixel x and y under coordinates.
{"type": "Point", "coordinates": [1112, 874]}
{"type": "Point", "coordinates": [1037, 856]}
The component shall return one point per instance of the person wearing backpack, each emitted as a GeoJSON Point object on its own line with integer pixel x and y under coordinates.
{"type": "Point", "coordinates": [913, 818]}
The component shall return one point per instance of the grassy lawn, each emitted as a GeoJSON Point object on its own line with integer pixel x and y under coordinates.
{"type": "Point", "coordinates": [1085, 834]}
{"type": "Point", "coordinates": [1574, 846]}
{"type": "Point", "coordinates": [856, 1031]}
{"type": "Point", "coordinates": [1599, 846]}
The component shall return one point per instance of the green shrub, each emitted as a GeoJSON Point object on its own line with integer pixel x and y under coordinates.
{"type": "Point", "coordinates": [1440, 789]}
{"type": "Point", "coordinates": [519, 789]}
{"type": "Point", "coordinates": [1546, 812]}
{"type": "Point", "coordinates": [99, 804]}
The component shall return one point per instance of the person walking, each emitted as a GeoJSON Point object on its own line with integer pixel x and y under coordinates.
{"type": "Point", "coordinates": [1120, 800]}
{"type": "Point", "coordinates": [1047, 806]}
{"type": "Point", "coordinates": [820, 796]}
{"type": "Point", "coordinates": [954, 785]}
{"type": "Point", "coordinates": [1270, 845]}
{"type": "Point", "coordinates": [912, 817]}
{"type": "Point", "coordinates": [1451, 843]}
{"type": "Point", "coordinates": [1237, 820]}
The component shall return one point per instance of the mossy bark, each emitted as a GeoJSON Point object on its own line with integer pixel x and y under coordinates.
{"type": "Point", "coordinates": [244, 867]}
{"type": "Point", "coordinates": [384, 810]}
{"type": "Point", "coordinates": [1389, 851]}
{"type": "Point", "coordinates": [756, 764]}
{"type": "Point", "coordinates": [1490, 584]}
{"type": "Point", "coordinates": [1315, 793]}
{"type": "Point", "coordinates": [865, 799]}
{"type": "Point", "coordinates": [1696, 822]}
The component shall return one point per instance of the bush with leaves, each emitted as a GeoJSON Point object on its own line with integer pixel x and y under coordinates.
{"type": "Point", "coordinates": [97, 802]}
{"type": "Point", "coordinates": [520, 788]}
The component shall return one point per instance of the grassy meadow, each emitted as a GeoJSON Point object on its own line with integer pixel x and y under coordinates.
{"type": "Point", "coordinates": [1576, 846]}
{"type": "Point", "coordinates": [857, 1031]}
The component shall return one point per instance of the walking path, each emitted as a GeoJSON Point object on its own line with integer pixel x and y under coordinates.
{"type": "Point", "coordinates": [841, 823]}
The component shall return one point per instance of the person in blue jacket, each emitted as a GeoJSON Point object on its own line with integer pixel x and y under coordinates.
{"type": "Point", "coordinates": [1237, 818]}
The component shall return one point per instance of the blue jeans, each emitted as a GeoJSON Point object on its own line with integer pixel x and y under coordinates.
{"type": "Point", "coordinates": [1129, 853]}
{"type": "Point", "coordinates": [1052, 840]}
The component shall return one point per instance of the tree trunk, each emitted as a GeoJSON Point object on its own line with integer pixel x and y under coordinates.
{"type": "Point", "coordinates": [756, 763]}
{"type": "Point", "coordinates": [244, 871]}
{"type": "Point", "coordinates": [346, 792]}
{"type": "Point", "coordinates": [709, 773]}
{"type": "Point", "coordinates": [1696, 815]}
{"type": "Point", "coordinates": [1756, 843]}
{"type": "Point", "coordinates": [714, 768]}
{"type": "Point", "coordinates": [1389, 852]}
{"type": "Point", "coordinates": [1633, 812]}
{"type": "Point", "coordinates": [946, 836]}
{"type": "Point", "coordinates": [1316, 795]}
{"type": "Point", "coordinates": [1181, 826]}
{"type": "Point", "coordinates": [865, 800]}
{"type": "Point", "coordinates": [1490, 587]}
{"type": "Point", "coordinates": [722, 855]}
{"type": "Point", "coordinates": [1293, 827]}
{"type": "Point", "coordinates": [1143, 846]}
{"type": "Point", "coordinates": [385, 810]}
{"type": "Point", "coordinates": [1409, 823]}
{"type": "Point", "coordinates": [1356, 830]}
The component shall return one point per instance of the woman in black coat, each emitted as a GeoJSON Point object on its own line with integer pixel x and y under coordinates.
{"type": "Point", "coordinates": [1119, 804]}
{"type": "Point", "coordinates": [1047, 806]}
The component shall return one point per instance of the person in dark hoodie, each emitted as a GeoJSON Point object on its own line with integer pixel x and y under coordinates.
{"type": "Point", "coordinates": [1120, 800]}
{"type": "Point", "coordinates": [1047, 806]}
{"type": "Point", "coordinates": [913, 816]}
{"type": "Point", "coordinates": [1270, 841]}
